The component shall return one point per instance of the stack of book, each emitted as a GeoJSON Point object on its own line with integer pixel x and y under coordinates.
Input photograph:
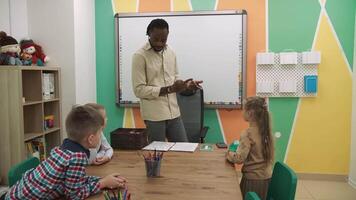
{"type": "Point", "coordinates": [48, 86]}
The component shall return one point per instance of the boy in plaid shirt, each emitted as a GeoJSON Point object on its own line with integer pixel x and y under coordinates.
{"type": "Point", "coordinates": [63, 172]}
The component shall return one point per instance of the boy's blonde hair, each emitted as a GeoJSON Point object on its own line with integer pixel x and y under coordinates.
{"type": "Point", "coordinates": [95, 106]}
{"type": "Point", "coordinates": [82, 121]}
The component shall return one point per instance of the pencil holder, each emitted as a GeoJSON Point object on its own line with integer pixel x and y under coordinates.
{"type": "Point", "coordinates": [153, 167]}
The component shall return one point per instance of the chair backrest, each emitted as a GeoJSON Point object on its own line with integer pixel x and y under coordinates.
{"type": "Point", "coordinates": [18, 170]}
{"type": "Point", "coordinates": [192, 113]}
{"type": "Point", "coordinates": [283, 183]}
{"type": "Point", "coordinates": [251, 196]}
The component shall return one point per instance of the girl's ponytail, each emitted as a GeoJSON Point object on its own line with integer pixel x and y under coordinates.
{"type": "Point", "coordinates": [257, 106]}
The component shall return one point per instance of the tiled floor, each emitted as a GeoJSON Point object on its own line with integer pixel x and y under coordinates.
{"type": "Point", "coordinates": [324, 190]}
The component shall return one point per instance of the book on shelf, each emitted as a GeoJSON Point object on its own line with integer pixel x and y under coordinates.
{"type": "Point", "coordinates": [48, 88]}
{"type": "Point", "coordinates": [36, 148]}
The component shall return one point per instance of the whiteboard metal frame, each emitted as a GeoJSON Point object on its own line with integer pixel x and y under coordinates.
{"type": "Point", "coordinates": [243, 82]}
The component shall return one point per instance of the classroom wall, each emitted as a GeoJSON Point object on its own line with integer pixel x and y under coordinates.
{"type": "Point", "coordinates": [318, 122]}
{"type": "Point", "coordinates": [5, 16]}
{"type": "Point", "coordinates": [18, 16]}
{"type": "Point", "coordinates": [65, 29]}
{"type": "Point", "coordinates": [352, 174]}
{"type": "Point", "coordinates": [303, 123]}
{"type": "Point", "coordinates": [84, 37]}
{"type": "Point", "coordinates": [53, 28]}
{"type": "Point", "coordinates": [13, 18]}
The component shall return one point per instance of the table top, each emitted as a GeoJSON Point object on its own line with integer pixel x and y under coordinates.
{"type": "Point", "coordinates": [200, 175]}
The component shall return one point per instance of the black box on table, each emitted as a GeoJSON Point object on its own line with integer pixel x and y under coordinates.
{"type": "Point", "coordinates": [129, 138]}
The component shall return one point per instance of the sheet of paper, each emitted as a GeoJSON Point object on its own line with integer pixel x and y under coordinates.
{"type": "Point", "coordinates": [159, 146]}
{"type": "Point", "coordinates": [184, 146]}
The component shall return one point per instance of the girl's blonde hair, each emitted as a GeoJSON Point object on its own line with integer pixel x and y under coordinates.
{"type": "Point", "coordinates": [257, 108]}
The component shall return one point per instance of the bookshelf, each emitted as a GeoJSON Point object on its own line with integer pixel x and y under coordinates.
{"type": "Point", "coordinates": [30, 113]}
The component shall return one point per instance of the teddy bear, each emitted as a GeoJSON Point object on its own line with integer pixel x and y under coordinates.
{"type": "Point", "coordinates": [35, 50]}
{"type": "Point", "coordinates": [9, 50]}
{"type": "Point", "coordinates": [26, 58]}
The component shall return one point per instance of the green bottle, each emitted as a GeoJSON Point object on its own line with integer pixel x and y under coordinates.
{"type": "Point", "coordinates": [234, 145]}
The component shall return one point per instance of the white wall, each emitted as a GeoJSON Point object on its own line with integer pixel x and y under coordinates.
{"type": "Point", "coordinates": [66, 31]}
{"type": "Point", "coordinates": [352, 175]}
{"type": "Point", "coordinates": [84, 34]}
{"type": "Point", "coordinates": [13, 18]}
{"type": "Point", "coordinates": [52, 26]}
{"type": "Point", "coordinates": [5, 16]}
{"type": "Point", "coordinates": [18, 19]}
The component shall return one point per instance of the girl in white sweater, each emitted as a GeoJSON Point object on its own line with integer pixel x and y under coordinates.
{"type": "Point", "coordinates": [103, 152]}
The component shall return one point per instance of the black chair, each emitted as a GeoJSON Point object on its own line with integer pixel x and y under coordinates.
{"type": "Point", "coordinates": [191, 104]}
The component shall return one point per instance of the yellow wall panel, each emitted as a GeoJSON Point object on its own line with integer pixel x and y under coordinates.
{"type": "Point", "coordinates": [322, 128]}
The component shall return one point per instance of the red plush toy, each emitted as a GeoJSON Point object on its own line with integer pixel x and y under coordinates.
{"type": "Point", "coordinates": [38, 57]}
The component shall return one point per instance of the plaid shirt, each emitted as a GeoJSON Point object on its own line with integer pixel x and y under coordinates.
{"type": "Point", "coordinates": [61, 174]}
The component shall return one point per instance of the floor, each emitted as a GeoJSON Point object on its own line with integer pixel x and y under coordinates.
{"type": "Point", "coordinates": [324, 190]}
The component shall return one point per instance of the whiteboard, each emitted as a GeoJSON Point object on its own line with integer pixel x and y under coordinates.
{"type": "Point", "coordinates": [210, 46]}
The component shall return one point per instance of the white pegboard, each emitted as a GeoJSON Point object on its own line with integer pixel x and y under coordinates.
{"type": "Point", "coordinates": [281, 73]}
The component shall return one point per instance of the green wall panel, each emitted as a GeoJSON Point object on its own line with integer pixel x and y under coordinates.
{"type": "Point", "coordinates": [282, 113]}
{"type": "Point", "coordinates": [292, 26]}
{"type": "Point", "coordinates": [342, 16]}
{"type": "Point", "coordinates": [105, 64]}
{"type": "Point", "coordinates": [211, 120]}
{"type": "Point", "coordinates": [203, 4]}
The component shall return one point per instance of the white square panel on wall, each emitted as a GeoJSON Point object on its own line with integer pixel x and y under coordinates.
{"type": "Point", "coordinates": [288, 58]}
{"type": "Point", "coordinates": [288, 80]}
{"type": "Point", "coordinates": [265, 58]}
{"type": "Point", "coordinates": [313, 57]}
{"type": "Point", "coordinates": [289, 86]}
{"type": "Point", "coordinates": [265, 86]}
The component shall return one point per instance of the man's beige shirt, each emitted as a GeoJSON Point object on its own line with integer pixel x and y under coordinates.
{"type": "Point", "coordinates": [152, 70]}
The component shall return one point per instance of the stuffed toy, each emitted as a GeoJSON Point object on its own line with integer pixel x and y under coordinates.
{"type": "Point", "coordinates": [35, 50]}
{"type": "Point", "coordinates": [9, 50]}
{"type": "Point", "coordinates": [3, 58]}
{"type": "Point", "coordinates": [26, 58]}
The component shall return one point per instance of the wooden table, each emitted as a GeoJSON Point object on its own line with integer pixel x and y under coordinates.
{"type": "Point", "coordinates": [199, 176]}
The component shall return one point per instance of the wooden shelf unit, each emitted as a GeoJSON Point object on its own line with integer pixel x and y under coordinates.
{"type": "Point", "coordinates": [22, 113]}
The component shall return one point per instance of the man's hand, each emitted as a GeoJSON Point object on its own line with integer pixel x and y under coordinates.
{"type": "Point", "coordinates": [192, 84]}
{"type": "Point", "coordinates": [178, 86]}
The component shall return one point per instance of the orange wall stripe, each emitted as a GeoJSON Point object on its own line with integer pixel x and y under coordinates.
{"type": "Point", "coordinates": [137, 118]}
{"type": "Point", "coordinates": [154, 5]}
{"type": "Point", "coordinates": [232, 121]}
{"type": "Point", "coordinates": [233, 124]}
